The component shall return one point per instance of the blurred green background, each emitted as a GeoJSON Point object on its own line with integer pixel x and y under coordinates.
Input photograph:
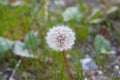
{"type": "Point", "coordinates": [23, 27]}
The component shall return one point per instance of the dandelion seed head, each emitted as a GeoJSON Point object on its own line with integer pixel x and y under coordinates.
{"type": "Point", "coordinates": [60, 38]}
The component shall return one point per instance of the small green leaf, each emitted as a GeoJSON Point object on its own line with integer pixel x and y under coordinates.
{"type": "Point", "coordinates": [101, 43]}
{"type": "Point", "coordinates": [20, 51]}
{"type": "Point", "coordinates": [107, 45]}
{"type": "Point", "coordinates": [31, 40]}
{"type": "Point", "coordinates": [94, 15]}
{"type": "Point", "coordinates": [98, 42]}
{"type": "Point", "coordinates": [5, 45]}
{"type": "Point", "coordinates": [72, 13]}
{"type": "Point", "coordinates": [112, 10]}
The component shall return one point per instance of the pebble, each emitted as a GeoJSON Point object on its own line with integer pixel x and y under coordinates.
{"type": "Point", "coordinates": [100, 72]}
{"type": "Point", "coordinates": [88, 64]}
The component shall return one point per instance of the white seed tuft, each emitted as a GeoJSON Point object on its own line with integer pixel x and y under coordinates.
{"type": "Point", "coordinates": [60, 38]}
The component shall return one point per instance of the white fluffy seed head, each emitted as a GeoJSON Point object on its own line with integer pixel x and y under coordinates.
{"type": "Point", "coordinates": [60, 38]}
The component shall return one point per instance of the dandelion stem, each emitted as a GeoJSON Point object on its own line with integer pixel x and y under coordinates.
{"type": "Point", "coordinates": [66, 66]}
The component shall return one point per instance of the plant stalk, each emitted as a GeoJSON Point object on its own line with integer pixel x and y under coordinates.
{"type": "Point", "coordinates": [14, 71]}
{"type": "Point", "coordinates": [66, 66]}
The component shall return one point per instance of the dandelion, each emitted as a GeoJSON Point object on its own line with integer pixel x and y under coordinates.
{"type": "Point", "coordinates": [61, 38]}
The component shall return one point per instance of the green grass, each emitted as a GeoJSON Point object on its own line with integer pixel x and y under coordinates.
{"type": "Point", "coordinates": [16, 22]}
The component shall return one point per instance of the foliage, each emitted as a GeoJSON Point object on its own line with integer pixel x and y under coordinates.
{"type": "Point", "coordinates": [5, 45]}
{"type": "Point", "coordinates": [101, 43]}
{"type": "Point", "coordinates": [19, 25]}
{"type": "Point", "coordinates": [31, 40]}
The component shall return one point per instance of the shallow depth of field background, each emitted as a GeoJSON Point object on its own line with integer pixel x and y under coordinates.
{"type": "Point", "coordinates": [23, 27]}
